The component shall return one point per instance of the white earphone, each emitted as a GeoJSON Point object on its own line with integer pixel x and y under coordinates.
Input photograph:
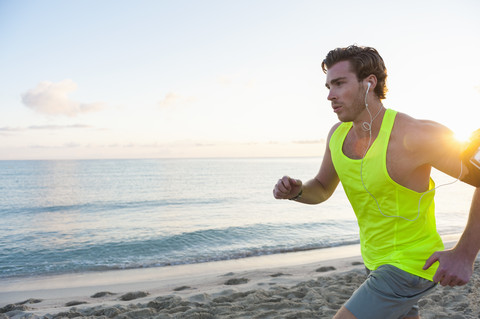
{"type": "Point", "coordinates": [366, 93]}
{"type": "Point", "coordinates": [368, 127]}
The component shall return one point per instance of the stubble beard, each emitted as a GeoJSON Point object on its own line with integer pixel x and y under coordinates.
{"type": "Point", "coordinates": [357, 107]}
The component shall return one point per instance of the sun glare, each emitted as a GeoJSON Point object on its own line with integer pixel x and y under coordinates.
{"type": "Point", "coordinates": [462, 134]}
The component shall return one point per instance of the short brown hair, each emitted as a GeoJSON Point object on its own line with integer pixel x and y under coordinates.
{"type": "Point", "coordinates": [364, 61]}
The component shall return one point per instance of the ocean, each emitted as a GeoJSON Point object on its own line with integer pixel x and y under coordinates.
{"type": "Point", "coordinates": [71, 216]}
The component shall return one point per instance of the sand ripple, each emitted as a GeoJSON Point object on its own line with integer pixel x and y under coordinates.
{"type": "Point", "coordinates": [318, 298]}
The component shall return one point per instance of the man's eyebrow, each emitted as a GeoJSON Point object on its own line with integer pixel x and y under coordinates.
{"type": "Point", "coordinates": [336, 80]}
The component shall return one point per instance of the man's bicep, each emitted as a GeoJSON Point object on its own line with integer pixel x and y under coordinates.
{"type": "Point", "coordinates": [444, 152]}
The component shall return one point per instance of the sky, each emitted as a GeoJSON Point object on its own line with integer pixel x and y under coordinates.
{"type": "Point", "coordinates": [85, 79]}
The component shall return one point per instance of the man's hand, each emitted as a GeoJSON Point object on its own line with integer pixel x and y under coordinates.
{"type": "Point", "coordinates": [454, 269]}
{"type": "Point", "coordinates": [287, 188]}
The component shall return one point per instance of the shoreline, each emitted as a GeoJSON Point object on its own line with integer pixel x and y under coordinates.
{"type": "Point", "coordinates": [12, 290]}
{"type": "Point", "coordinates": [308, 284]}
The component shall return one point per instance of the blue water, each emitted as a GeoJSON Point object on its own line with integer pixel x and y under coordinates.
{"type": "Point", "coordinates": [93, 215]}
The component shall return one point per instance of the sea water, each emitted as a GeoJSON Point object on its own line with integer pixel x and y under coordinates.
{"type": "Point", "coordinates": [93, 215]}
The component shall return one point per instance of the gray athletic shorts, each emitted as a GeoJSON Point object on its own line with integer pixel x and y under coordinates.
{"type": "Point", "coordinates": [388, 293]}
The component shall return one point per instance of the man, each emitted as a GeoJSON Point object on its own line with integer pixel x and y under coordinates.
{"type": "Point", "coordinates": [383, 159]}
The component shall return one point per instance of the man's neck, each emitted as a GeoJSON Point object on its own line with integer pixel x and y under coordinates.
{"type": "Point", "coordinates": [369, 120]}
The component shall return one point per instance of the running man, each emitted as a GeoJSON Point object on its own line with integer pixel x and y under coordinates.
{"type": "Point", "coordinates": [383, 158]}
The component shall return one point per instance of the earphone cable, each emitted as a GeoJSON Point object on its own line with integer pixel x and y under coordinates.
{"type": "Point", "coordinates": [369, 126]}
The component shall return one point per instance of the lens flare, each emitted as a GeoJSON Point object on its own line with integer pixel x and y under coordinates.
{"type": "Point", "coordinates": [462, 135]}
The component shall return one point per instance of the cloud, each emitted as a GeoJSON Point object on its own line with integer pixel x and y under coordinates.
{"type": "Point", "coordinates": [8, 131]}
{"type": "Point", "coordinates": [320, 141]}
{"type": "Point", "coordinates": [225, 80]}
{"type": "Point", "coordinates": [169, 99]}
{"type": "Point", "coordinates": [11, 129]}
{"type": "Point", "coordinates": [52, 98]}
{"type": "Point", "coordinates": [44, 127]}
{"type": "Point", "coordinates": [58, 127]}
{"type": "Point", "coordinates": [172, 99]}
{"type": "Point", "coordinates": [71, 145]}
{"type": "Point", "coordinates": [236, 81]}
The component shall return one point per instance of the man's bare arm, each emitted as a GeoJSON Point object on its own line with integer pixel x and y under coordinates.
{"type": "Point", "coordinates": [314, 191]}
{"type": "Point", "coordinates": [455, 265]}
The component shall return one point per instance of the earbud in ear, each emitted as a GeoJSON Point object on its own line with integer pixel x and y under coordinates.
{"type": "Point", "coordinates": [366, 94]}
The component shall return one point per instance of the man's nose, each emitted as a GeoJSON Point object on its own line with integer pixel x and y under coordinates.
{"type": "Point", "coordinates": [331, 95]}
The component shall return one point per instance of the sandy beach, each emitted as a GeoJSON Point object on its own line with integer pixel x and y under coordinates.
{"type": "Point", "coordinates": [312, 284]}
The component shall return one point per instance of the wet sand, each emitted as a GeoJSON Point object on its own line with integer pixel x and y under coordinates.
{"type": "Point", "coordinates": [311, 284]}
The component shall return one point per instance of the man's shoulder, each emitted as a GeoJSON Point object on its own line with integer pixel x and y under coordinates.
{"type": "Point", "coordinates": [406, 119]}
{"type": "Point", "coordinates": [333, 129]}
{"type": "Point", "coordinates": [419, 134]}
{"type": "Point", "coordinates": [408, 125]}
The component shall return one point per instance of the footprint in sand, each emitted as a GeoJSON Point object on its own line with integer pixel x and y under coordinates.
{"type": "Point", "coordinates": [102, 294]}
{"type": "Point", "coordinates": [325, 269]}
{"type": "Point", "coordinates": [30, 301]}
{"type": "Point", "coordinates": [229, 274]}
{"type": "Point", "coordinates": [133, 295]}
{"type": "Point", "coordinates": [279, 274]}
{"type": "Point", "coordinates": [74, 303]}
{"type": "Point", "coordinates": [236, 281]}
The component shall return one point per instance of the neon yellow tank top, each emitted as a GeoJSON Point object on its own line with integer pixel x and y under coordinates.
{"type": "Point", "coordinates": [409, 238]}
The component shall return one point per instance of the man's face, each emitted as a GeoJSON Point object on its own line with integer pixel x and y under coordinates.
{"type": "Point", "coordinates": [345, 92]}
